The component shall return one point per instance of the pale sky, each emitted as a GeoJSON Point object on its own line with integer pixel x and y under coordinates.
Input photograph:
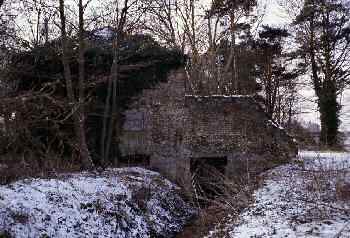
{"type": "Point", "coordinates": [275, 15]}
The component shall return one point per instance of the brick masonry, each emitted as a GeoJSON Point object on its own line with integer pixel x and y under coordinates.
{"type": "Point", "coordinates": [173, 128]}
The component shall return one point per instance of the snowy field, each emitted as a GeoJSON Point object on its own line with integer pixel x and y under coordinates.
{"type": "Point", "coordinates": [118, 203]}
{"type": "Point", "coordinates": [307, 198]}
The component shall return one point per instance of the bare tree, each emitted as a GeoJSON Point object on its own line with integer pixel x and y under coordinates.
{"type": "Point", "coordinates": [192, 15]}
{"type": "Point", "coordinates": [77, 104]}
{"type": "Point", "coordinates": [237, 11]}
{"type": "Point", "coordinates": [35, 22]}
{"type": "Point", "coordinates": [127, 13]}
{"type": "Point", "coordinates": [196, 27]}
{"type": "Point", "coordinates": [162, 22]}
{"type": "Point", "coordinates": [271, 64]}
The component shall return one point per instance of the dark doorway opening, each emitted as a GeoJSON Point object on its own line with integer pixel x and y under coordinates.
{"type": "Point", "coordinates": [135, 160]}
{"type": "Point", "coordinates": [208, 177]}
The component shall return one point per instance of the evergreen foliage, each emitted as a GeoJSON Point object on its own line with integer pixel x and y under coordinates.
{"type": "Point", "coordinates": [271, 68]}
{"type": "Point", "coordinates": [324, 39]}
{"type": "Point", "coordinates": [39, 73]}
{"type": "Point", "coordinates": [223, 7]}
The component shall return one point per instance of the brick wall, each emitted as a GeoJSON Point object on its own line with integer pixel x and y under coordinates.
{"type": "Point", "coordinates": [176, 128]}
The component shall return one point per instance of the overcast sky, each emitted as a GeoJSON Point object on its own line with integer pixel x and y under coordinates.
{"type": "Point", "coordinates": [275, 15]}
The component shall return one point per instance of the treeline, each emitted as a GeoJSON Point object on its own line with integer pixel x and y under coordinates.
{"type": "Point", "coordinates": [64, 97]}
{"type": "Point", "coordinates": [68, 69]}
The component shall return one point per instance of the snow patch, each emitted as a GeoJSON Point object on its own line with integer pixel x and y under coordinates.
{"type": "Point", "coordinates": [286, 206]}
{"type": "Point", "coordinates": [129, 202]}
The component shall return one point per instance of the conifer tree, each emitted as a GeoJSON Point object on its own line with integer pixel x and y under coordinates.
{"type": "Point", "coordinates": [237, 11]}
{"type": "Point", "coordinates": [324, 42]}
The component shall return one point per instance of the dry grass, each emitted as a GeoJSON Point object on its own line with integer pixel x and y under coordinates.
{"type": "Point", "coordinates": [327, 188]}
{"type": "Point", "coordinates": [16, 167]}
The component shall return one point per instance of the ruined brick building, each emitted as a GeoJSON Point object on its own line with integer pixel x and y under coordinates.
{"type": "Point", "coordinates": [175, 131]}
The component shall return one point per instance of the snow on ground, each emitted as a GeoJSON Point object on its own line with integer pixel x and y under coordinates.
{"type": "Point", "coordinates": [128, 202]}
{"type": "Point", "coordinates": [314, 160]}
{"type": "Point", "coordinates": [301, 199]}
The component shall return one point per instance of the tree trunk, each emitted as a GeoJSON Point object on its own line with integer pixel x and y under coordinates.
{"type": "Point", "coordinates": [84, 150]}
{"type": "Point", "coordinates": [7, 123]}
{"type": "Point", "coordinates": [78, 116]}
{"type": "Point", "coordinates": [326, 93]}
{"type": "Point", "coordinates": [106, 115]}
{"type": "Point", "coordinates": [110, 111]}
{"type": "Point", "coordinates": [233, 52]}
{"type": "Point", "coordinates": [231, 62]}
{"type": "Point", "coordinates": [113, 116]}
{"type": "Point", "coordinates": [329, 115]}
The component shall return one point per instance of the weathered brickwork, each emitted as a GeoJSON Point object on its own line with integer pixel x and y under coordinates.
{"type": "Point", "coordinates": [173, 128]}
